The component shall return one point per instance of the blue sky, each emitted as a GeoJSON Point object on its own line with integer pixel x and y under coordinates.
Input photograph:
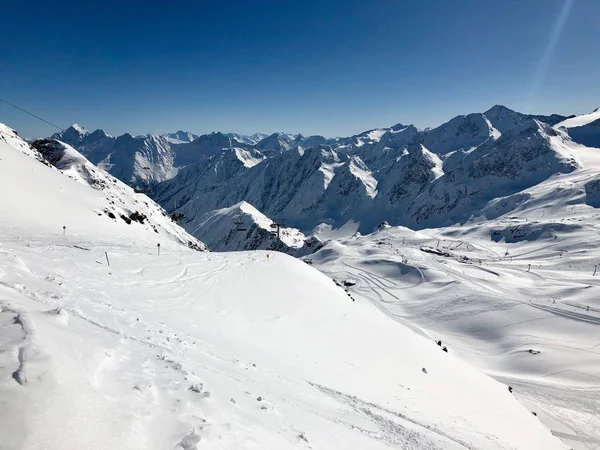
{"type": "Point", "coordinates": [333, 67]}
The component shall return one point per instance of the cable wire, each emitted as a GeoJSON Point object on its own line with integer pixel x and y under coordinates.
{"type": "Point", "coordinates": [32, 115]}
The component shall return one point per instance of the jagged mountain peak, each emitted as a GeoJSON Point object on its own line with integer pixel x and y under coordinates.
{"type": "Point", "coordinates": [180, 136]}
{"type": "Point", "coordinates": [73, 135]}
{"type": "Point", "coordinates": [275, 143]}
{"type": "Point", "coordinates": [78, 128]}
{"type": "Point", "coordinates": [498, 110]}
{"type": "Point", "coordinates": [97, 134]}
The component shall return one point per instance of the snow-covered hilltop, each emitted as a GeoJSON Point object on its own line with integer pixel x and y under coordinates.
{"type": "Point", "coordinates": [63, 189]}
{"type": "Point", "coordinates": [243, 227]}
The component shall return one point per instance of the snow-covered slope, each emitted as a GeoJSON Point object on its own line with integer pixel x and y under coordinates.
{"type": "Point", "coordinates": [76, 195]}
{"type": "Point", "coordinates": [303, 187]}
{"type": "Point", "coordinates": [516, 295]}
{"type": "Point", "coordinates": [196, 350]}
{"type": "Point", "coordinates": [584, 129]}
{"type": "Point", "coordinates": [243, 227]}
{"type": "Point", "coordinates": [198, 180]}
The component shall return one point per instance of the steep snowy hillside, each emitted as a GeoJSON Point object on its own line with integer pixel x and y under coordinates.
{"type": "Point", "coordinates": [195, 350]}
{"type": "Point", "coordinates": [78, 196]}
{"type": "Point", "coordinates": [243, 227]}
{"type": "Point", "coordinates": [516, 295]}
{"type": "Point", "coordinates": [584, 129]}
{"type": "Point", "coordinates": [201, 179]}
{"type": "Point", "coordinates": [290, 186]}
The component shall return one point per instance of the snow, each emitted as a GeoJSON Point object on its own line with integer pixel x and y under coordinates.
{"type": "Point", "coordinates": [198, 350]}
{"type": "Point", "coordinates": [79, 128]}
{"type": "Point", "coordinates": [79, 196]}
{"type": "Point", "coordinates": [438, 166]}
{"type": "Point", "coordinates": [243, 227]}
{"type": "Point", "coordinates": [375, 135]}
{"type": "Point", "coordinates": [580, 121]}
{"type": "Point", "coordinates": [359, 170]}
{"type": "Point", "coordinates": [494, 133]}
{"type": "Point", "coordinates": [180, 137]}
{"type": "Point", "coordinates": [399, 130]}
{"type": "Point", "coordinates": [328, 171]}
{"type": "Point", "coordinates": [247, 158]}
{"type": "Point", "coordinates": [515, 295]}
{"type": "Point", "coordinates": [584, 129]}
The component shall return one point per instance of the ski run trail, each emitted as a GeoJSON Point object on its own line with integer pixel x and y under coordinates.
{"type": "Point", "coordinates": [105, 344]}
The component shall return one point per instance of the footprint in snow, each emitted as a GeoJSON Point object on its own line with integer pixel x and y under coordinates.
{"type": "Point", "coordinates": [189, 442]}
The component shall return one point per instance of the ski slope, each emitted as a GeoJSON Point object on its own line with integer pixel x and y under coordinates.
{"type": "Point", "coordinates": [516, 295]}
{"type": "Point", "coordinates": [193, 350]}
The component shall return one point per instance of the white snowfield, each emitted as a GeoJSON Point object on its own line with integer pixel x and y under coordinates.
{"type": "Point", "coordinates": [517, 295]}
{"type": "Point", "coordinates": [584, 129]}
{"type": "Point", "coordinates": [193, 350]}
{"type": "Point", "coordinates": [581, 120]}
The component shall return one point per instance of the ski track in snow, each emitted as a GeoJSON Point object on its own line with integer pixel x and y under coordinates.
{"type": "Point", "coordinates": [504, 293]}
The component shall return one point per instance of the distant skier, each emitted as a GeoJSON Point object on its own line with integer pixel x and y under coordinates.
{"type": "Point", "coordinates": [510, 389]}
{"type": "Point", "coordinates": [439, 343]}
{"type": "Point", "coordinates": [445, 349]}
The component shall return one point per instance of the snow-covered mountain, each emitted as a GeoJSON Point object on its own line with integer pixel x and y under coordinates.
{"type": "Point", "coordinates": [107, 344]}
{"type": "Point", "coordinates": [275, 144]}
{"type": "Point", "coordinates": [180, 137]}
{"type": "Point", "coordinates": [243, 227]}
{"type": "Point", "coordinates": [400, 174]}
{"type": "Point", "coordinates": [584, 129]}
{"type": "Point", "coordinates": [144, 161]}
{"type": "Point", "coordinates": [138, 161]}
{"type": "Point", "coordinates": [429, 178]}
{"type": "Point", "coordinates": [248, 139]}
{"type": "Point", "coordinates": [65, 190]}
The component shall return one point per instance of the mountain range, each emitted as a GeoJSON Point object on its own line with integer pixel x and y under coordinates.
{"type": "Point", "coordinates": [440, 176]}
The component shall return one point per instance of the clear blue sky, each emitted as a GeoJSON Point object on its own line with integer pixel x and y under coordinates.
{"type": "Point", "coordinates": [332, 67]}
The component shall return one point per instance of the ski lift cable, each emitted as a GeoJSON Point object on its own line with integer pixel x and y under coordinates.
{"type": "Point", "coordinates": [31, 114]}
